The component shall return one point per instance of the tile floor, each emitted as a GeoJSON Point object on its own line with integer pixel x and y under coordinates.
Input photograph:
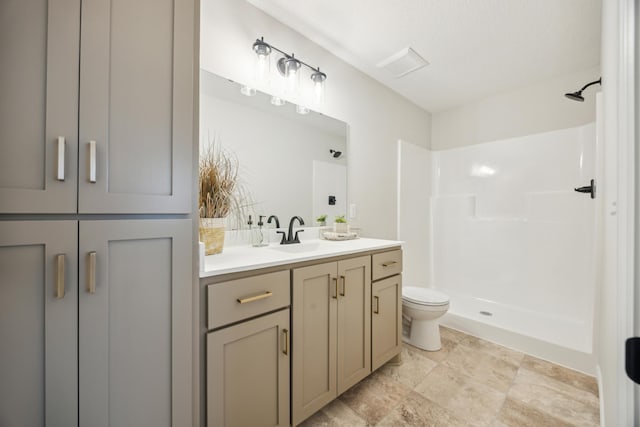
{"type": "Point", "coordinates": [470, 382]}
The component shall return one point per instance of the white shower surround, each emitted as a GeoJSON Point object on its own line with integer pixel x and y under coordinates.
{"type": "Point", "coordinates": [510, 237]}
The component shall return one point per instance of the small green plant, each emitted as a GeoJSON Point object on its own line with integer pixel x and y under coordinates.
{"type": "Point", "coordinates": [322, 218]}
{"type": "Point", "coordinates": [340, 219]}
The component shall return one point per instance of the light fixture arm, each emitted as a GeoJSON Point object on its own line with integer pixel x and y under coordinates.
{"type": "Point", "coordinates": [261, 41]}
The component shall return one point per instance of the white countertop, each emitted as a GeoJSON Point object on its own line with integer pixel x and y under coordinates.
{"type": "Point", "coordinates": [242, 258]}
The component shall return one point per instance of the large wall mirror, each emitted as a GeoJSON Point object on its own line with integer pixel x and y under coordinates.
{"type": "Point", "coordinates": [290, 163]}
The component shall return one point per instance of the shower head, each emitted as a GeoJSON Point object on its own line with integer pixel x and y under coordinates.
{"type": "Point", "coordinates": [335, 153]}
{"type": "Point", "coordinates": [577, 96]}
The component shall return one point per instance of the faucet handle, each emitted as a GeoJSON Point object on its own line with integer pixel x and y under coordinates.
{"type": "Point", "coordinates": [295, 239]}
{"type": "Point", "coordinates": [284, 236]}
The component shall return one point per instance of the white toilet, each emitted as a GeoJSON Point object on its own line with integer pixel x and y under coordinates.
{"type": "Point", "coordinates": [421, 309]}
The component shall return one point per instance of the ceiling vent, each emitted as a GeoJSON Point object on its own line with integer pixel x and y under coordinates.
{"type": "Point", "coordinates": [402, 63]}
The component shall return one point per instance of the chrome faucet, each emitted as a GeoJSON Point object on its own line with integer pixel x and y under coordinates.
{"type": "Point", "coordinates": [291, 238]}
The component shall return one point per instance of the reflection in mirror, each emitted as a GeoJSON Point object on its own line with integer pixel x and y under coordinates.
{"type": "Point", "coordinates": [290, 163]}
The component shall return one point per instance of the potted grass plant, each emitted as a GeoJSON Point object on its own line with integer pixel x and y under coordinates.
{"type": "Point", "coordinates": [221, 195]}
{"type": "Point", "coordinates": [340, 224]}
{"type": "Point", "coordinates": [321, 221]}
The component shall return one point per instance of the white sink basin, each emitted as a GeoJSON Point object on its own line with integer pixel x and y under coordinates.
{"type": "Point", "coordinates": [297, 248]}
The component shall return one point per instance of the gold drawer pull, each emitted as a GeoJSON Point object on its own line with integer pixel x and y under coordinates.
{"type": "Point", "coordinates": [389, 263]}
{"type": "Point", "coordinates": [377, 309]}
{"type": "Point", "coordinates": [60, 277]}
{"type": "Point", "coordinates": [91, 279]}
{"type": "Point", "coordinates": [267, 294]}
{"type": "Point", "coordinates": [285, 332]}
{"type": "Point", "coordinates": [335, 282]}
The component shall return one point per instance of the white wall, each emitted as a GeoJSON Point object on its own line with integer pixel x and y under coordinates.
{"type": "Point", "coordinates": [540, 107]}
{"type": "Point", "coordinates": [414, 213]}
{"type": "Point", "coordinates": [377, 116]}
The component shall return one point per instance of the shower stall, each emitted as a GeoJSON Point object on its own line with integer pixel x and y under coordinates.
{"type": "Point", "coordinates": [510, 240]}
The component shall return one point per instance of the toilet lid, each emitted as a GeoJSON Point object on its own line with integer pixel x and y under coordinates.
{"type": "Point", "coordinates": [424, 296]}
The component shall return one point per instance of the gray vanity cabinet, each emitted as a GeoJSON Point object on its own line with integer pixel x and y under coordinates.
{"type": "Point", "coordinates": [135, 323]}
{"type": "Point", "coordinates": [386, 320]}
{"type": "Point", "coordinates": [136, 105]}
{"type": "Point", "coordinates": [102, 315]}
{"type": "Point", "coordinates": [386, 306]}
{"type": "Point", "coordinates": [248, 351]}
{"type": "Point", "coordinates": [39, 87]}
{"type": "Point", "coordinates": [248, 373]}
{"type": "Point", "coordinates": [332, 332]}
{"type": "Point", "coordinates": [96, 118]}
{"type": "Point", "coordinates": [38, 323]}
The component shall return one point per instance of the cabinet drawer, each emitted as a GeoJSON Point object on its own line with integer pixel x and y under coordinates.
{"type": "Point", "coordinates": [386, 264]}
{"type": "Point", "coordinates": [231, 301]}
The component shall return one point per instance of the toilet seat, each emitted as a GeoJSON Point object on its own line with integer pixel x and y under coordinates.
{"type": "Point", "coordinates": [424, 296]}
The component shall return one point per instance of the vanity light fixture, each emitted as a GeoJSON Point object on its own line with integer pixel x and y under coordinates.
{"type": "Point", "coordinates": [288, 66]}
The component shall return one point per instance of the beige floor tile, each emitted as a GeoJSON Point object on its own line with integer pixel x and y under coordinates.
{"type": "Point", "coordinates": [452, 334]}
{"type": "Point", "coordinates": [559, 373]}
{"type": "Point", "coordinates": [335, 414]}
{"type": "Point", "coordinates": [470, 400]}
{"type": "Point", "coordinates": [448, 345]}
{"type": "Point", "coordinates": [560, 400]}
{"type": "Point", "coordinates": [501, 352]}
{"type": "Point", "coordinates": [375, 396]}
{"type": "Point", "coordinates": [484, 367]}
{"type": "Point", "coordinates": [417, 410]}
{"type": "Point", "coordinates": [414, 367]}
{"type": "Point", "coordinates": [518, 414]}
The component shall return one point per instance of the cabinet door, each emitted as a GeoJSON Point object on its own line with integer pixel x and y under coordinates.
{"type": "Point", "coordinates": [38, 323]}
{"type": "Point", "coordinates": [314, 338]}
{"type": "Point", "coordinates": [248, 373]}
{"type": "Point", "coordinates": [39, 87]}
{"type": "Point", "coordinates": [354, 321]}
{"type": "Point", "coordinates": [135, 323]}
{"type": "Point", "coordinates": [386, 320]}
{"type": "Point", "coordinates": [136, 104]}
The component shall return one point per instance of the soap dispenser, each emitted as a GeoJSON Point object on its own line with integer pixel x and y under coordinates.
{"type": "Point", "coordinates": [258, 235]}
{"type": "Point", "coordinates": [250, 223]}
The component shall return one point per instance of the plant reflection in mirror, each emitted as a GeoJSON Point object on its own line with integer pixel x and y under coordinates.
{"type": "Point", "coordinates": [222, 193]}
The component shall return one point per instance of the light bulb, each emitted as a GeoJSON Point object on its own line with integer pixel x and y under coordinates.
{"type": "Point", "coordinates": [262, 66]}
{"type": "Point", "coordinates": [318, 78]}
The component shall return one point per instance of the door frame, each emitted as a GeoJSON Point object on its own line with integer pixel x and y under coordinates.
{"type": "Point", "coordinates": [629, 197]}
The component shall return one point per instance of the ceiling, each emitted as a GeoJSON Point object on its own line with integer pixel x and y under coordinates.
{"type": "Point", "coordinates": [475, 48]}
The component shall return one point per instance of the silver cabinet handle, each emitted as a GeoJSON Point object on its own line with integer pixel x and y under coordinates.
{"type": "Point", "coordinates": [61, 149]}
{"type": "Point", "coordinates": [91, 276]}
{"type": "Point", "coordinates": [377, 309]}
{"type": "Point", "coordinates": [60, 276]}
{"type": "Point", "coordinates": [92, 161]}
{"type": "Point", "coordinates": [264, 295]}
{"type": "Point", "coordinates": [285, 350]}
{"type": "Point", "coordinates": [389, 263]}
